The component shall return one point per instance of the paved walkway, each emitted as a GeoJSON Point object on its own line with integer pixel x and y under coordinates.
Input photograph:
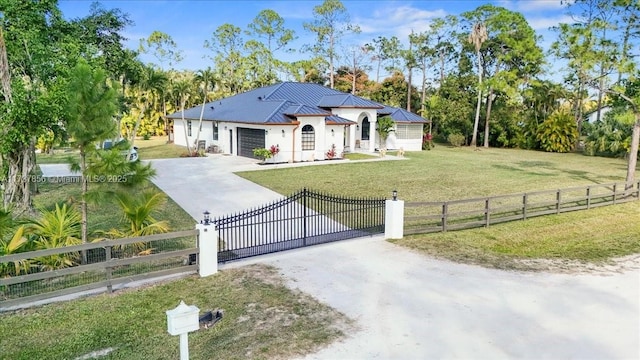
{"type": "Point", "coordinates": [409, 306]}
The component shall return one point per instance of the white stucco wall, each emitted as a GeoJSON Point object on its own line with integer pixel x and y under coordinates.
{"type": "Point", "coordinates": [357, 114]}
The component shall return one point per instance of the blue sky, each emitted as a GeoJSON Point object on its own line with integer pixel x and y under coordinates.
{"type": "Point", "coordinates": [190, 23]}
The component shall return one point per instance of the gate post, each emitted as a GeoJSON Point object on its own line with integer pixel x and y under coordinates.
{"type": "Point", "coordinates": [394, 218]}
{"type": "Point", "coordinates": [208, 245]}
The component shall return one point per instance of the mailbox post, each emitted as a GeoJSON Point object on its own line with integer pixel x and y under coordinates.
{"type": "Point", "coordinates": [180, 321]}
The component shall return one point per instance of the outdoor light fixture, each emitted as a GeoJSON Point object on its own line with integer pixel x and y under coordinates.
{"type": "Point", "coordinates": [282, 132]}
{"type": "Point", "coordinates": [357, 127]}
{"type": "Point", "coordinates": [394, 195]}
{"type": "Point", "coordinates": [266, 132]}
{"type": "Point", "coordinates": [207, 218]}
{"type": "Point", "coordinates": [333, 132]}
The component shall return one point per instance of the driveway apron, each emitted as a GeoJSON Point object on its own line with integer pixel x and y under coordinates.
{"type": "Point", "coordinates": [208, 183]}
{"type": "Point", "coordinates": [410, 306]}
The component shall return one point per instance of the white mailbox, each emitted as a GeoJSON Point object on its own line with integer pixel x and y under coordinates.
{"type": "Point", "coordinates": [183, 319]}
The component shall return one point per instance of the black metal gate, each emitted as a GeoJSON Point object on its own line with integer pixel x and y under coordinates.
{"type": "Point", "coordinates": [302, 219]}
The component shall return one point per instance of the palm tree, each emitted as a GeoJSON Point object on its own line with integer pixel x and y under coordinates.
{"type": "Point", "coordinates": [18, 242]}
{"type": "Point", "coordinates": [477, 37]}
{"type": "Point", "coordinates": [182, 91]}
{"type": "Point", "coordinates": [151, 83]}
{"type": "Point", "coordinates": [206, 79]}
{"type": "Point", "coordinates": [57, 228]}
{"type": "Point", "coordinates": [384, 126]}
{"type": "Point", "coordinates": [137, 211]}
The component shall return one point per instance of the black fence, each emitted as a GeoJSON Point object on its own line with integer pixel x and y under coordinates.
{"type": "Point", "coordinates": [302, 219]}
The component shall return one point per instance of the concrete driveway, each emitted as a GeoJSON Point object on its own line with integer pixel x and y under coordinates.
{"type": "Point", "coordinates": [208, 183]}
{"type": "Point", "coordinates": [409, 306]}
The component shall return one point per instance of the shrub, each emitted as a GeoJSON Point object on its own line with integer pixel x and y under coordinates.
{"type": "Point", "coordinates": [558, 133]}
{"type": "Point", "coordinates": [262, 153]}
{"type": "Point", "coordinates": [456, 139]}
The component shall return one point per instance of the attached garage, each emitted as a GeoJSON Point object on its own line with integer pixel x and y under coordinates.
{"type": "Point", "coordinates": [249, 139]}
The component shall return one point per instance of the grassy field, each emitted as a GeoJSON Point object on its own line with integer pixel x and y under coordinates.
{"type": "Point", "coordinates": [154, 148]}
{"type": "Point", "coordinates": [446, 173]}
{"type": "Point", "coordinates": [263, 319]}
{"type": "Point", "coordinates": [106, 215]}
{"type": "Point", "coordinates": [593, 236]}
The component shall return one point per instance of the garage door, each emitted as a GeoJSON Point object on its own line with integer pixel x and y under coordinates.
{"type": "Point", "coordinates": [249, 139]}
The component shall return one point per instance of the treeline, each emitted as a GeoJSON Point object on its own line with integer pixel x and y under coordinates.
{"type": "Point", "coordinates": [480, 76]}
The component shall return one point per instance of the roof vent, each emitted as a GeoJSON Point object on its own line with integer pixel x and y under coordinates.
{"type": "Point", "coordinates": [212, 108]}
{"type": "Point", "coordinates": [259, 97]}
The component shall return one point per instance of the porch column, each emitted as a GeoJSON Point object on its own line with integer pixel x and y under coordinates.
{"type": "Point", "coordinates": [372, 135]}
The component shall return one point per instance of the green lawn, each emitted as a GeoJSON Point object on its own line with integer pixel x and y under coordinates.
{"type": "Point", "coordinates": [447, 173]}
{"type": "Point", "coordinates": [263, 319]}
{"type": "Point", "coordinates": [106, 215]}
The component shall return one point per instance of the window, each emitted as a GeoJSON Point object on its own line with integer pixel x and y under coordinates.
{"type": "Point", "coordinates": [308, 138]}
{"type": "Point", "coordinates": [405, 132]}
{"type": "Point", "coordinates": [215, 131]}
{"type": "Point", "coordinates": [188, 127]}
{"type": "Point", "coordinates": [365, 129]}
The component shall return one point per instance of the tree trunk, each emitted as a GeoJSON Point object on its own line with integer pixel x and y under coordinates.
{"type": "Point", "coordinates": [424, 88]}
{"type": "Point", "coordinates": [477, 119]}
{"type": "Point", "coordinates": [184, 127]}
{"type": "Point", "coordinates": [633, 153]}
{"type": "Point", "coordinates": [486, 121]}
{"type": "Point", "coordinates": [353, 81]}
{"type": "Point", "coordinates": [204, 101]}
{"type": "Point", "coordinates": [83, 201]}
{"type": "Point", "coordinates": [331, 49]}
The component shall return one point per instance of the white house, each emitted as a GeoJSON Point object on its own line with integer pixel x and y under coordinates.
{"type": "Point", "coordinates": [303, 120]}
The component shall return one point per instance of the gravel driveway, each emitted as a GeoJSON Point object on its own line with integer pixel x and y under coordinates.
{"type": "Point", "coordinates": [409, 306]}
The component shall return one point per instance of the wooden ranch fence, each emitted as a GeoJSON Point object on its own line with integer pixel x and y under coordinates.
{"type": "Point", "coordinates": [439, 216]}
{"type": "Point", "coordinates": [110, 263]}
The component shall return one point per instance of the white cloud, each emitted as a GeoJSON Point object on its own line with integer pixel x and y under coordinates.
{"type": "Point", "coordinates": [525, 6]}
{"type": "Point", "coordinates": [545, 22]}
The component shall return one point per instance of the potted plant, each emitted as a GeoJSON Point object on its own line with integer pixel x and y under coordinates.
{"type": "Point", "coordinates": [274, 150]}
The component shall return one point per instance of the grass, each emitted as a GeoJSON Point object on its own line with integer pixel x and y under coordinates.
{"type": "Point", "coordinates": [593, 236]}
{"type": "Point", "coordinates": [358, 156]}
{"type": "Point", "coordinates": [154, 148]}
{"type": "Point", "coordinates": [263, 319]}
{"type": "Point", "coordinates": [446, 173]}
{"type": "Point", "coordinates": [106, 215]}
{"type": "Point", "coordinates": [158, 148]}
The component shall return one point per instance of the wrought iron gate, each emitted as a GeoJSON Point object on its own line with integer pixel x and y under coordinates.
{"type": "Point", "coordinates": [302, 219]}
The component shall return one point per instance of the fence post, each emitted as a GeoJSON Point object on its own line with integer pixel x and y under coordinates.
{"type": "Point", "coordinates": [108, 269]}
{"type": "Point", "coordinates": [487, 213]}
{"type": "Point", "coordinates": [208, 246]}
{"type": "Point", "coordinates": [394, 218]}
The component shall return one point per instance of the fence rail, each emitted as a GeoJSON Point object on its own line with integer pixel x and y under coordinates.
{"type": "Point", "coordinates": [440, 216]}
{"type": "Point", "coordinates": [111, 263]}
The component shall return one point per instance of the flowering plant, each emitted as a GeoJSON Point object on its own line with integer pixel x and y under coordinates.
{"type": "Point", "coordinates": [274, 150]}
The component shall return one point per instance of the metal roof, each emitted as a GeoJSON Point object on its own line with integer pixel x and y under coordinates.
{"type": "Point", "coordinates": [337, 120]}
{"type": "Point", "coordinates": [401, 115]}
{"type": "Point", "coordinates": [282, 102]}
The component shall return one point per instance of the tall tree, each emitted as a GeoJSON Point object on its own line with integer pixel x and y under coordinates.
{"type": "Point", "coordinates": [269, 25]}
{"type": "Point", "coordinates": [384, 50]}
{"type": "Point", "coordinates": [477, 37]}
{"type": "Point", "coordinates": [511, 56]}
{"type": "Point", "coordinates": [206, 81]}
{"type": "Point", "coordinates": [330, 25]}
{"type": "Point", "coordinates": [92, 105]}
{"type": "Point", "coordinates": [162, 46]}
{"type": "Point", "coordinates": [227, 44]}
